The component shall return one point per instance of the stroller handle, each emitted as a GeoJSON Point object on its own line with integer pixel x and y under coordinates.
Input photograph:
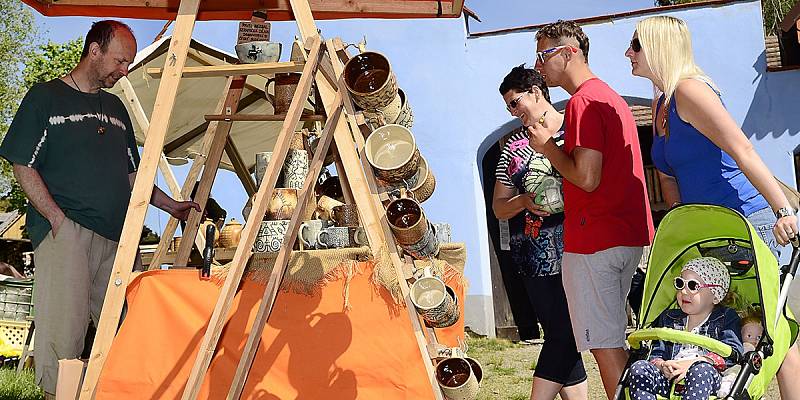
{"type": "Point", "coordinates": [636, 338]}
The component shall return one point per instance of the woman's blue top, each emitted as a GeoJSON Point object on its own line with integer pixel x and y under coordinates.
{"type": "Point", "coordinates": [704, 172]}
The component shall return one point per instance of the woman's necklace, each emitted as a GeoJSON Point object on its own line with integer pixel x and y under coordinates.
{"type": "Point", "coordinates": [100, 128]}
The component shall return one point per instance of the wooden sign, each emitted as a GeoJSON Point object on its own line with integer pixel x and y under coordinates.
{"type": "Point", "coordinates": [252, 32]}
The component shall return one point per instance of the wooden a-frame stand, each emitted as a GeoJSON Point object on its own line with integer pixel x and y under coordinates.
{"type": "Point", "coordinates": [323, 65]}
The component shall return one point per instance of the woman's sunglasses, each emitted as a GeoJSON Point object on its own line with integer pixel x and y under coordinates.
{"type": "Point", "coordinates": [636, 45]}
{"type": "Point", "coordinates": [693, 285]}
{"type": "Point", "coordinates": [512, 105]}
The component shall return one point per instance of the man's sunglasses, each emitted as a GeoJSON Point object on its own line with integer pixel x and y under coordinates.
{"type": "Point", "coordinates": [541, 55]}
{"type": "Point", "coordinates": [693, 285]}
{"type": "Point", "coordinates": [636, 45]}
{"type": "Point", "coordinates": [512, 105]}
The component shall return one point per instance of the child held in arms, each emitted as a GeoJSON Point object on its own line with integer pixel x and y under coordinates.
{"type": "Point", "coordinates": [701, 287]}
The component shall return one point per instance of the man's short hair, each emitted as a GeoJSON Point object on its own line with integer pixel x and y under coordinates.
{"type": "Point", "coordinates": [565, 29]}
{"type": "Point", "coordinates": [102, 32]}
{"type": "Point", "coordinates": [522, 79]}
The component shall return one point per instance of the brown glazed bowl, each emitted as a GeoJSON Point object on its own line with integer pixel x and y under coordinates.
{"type": "Point", "coordinates": [369, 77]}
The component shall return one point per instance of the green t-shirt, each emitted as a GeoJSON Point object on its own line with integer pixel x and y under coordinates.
{"type": "Point", "coordinates": [57, 131]}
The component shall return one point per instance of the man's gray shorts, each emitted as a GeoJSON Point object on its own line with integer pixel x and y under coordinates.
{"type": "Point", "coordinates": [597, 287]}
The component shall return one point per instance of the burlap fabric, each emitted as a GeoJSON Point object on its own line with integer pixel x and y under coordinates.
{"type": "Point", "coordinates": [309, 271]}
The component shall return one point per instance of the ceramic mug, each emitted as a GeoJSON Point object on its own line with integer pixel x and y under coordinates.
{"type": "Point", "coordinates": [258, 52]}
{"type": "Point", "coordinates": [407, 221]}
{"type": "Point", "coordinates": [457, 378]}
{"type": "Point", "coordinates": [405, 117]}
{"type": "Point", "coordinates": [369, 77]}
{"type": "Point", "coordinates": [434, 301]}
{"type": "Point", "coordinates": [282, 205]}
{"type": "Point", "coordinates": [443, 232]}
{"type": "Point", "coordinates": [426, 247]}
{"type": "Point", "coordinates": [285, 86]}
{"type": "Point", "coordinates": [345, 215]}
{"type": "Point", "coordinates": [325, 207]}
{"type": "Point", "coordinates": [271, 235]}
{"type": "Point", "coordinates": [424, 183]}
{"type": "Point", "coordinates": [341, 236]}
{"type": "Point", "coordinates": [295, 169]}
{"type": "Point", "coordinates": [309, 231]}
{"type": "Point", "coordinates": [384, 115]}
{"type": "Point", "coordinates": [392, 152]}
{"type": "Point", "coordinates": [262, 162]}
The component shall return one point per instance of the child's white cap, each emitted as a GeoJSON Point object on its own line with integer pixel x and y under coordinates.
{"type": "Point", "coordinates": [713, 272]}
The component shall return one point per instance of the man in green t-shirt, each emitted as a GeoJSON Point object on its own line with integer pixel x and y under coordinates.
{"type": "Point", "coordinates": [74, 154]}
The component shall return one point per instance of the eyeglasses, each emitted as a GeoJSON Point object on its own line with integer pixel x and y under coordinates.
{"type": "Point", "coordinates": [540, 55]}
{"type": "Point", "coordinates": [636, 45]}
{"type": "Point", "coordinates": [512, 105]}
{"type": "Point", "coordinates": [693, 285]}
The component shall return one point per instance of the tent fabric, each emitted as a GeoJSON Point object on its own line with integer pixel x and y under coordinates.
{"type": "Point", "coordinates": [242, 9]}
{"type": "Point", "coordinates": [311, 348]}
{"type": "Point", "coordinates": [197, 97]}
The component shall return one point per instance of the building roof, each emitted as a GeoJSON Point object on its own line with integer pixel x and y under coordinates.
{"type": "Point", "coordinates": [7, 220]}
{"type": "Point", "coordinates": [277, 10]}
{"type": "Point", "coordinates": [610, 17]}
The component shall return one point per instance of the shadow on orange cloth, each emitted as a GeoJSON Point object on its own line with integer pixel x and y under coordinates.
{"type": "Point", "coordinates": [310, 348]}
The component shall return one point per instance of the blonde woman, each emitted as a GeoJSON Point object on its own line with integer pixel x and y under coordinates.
{"type": "Point", "coordinates": [701, 153]}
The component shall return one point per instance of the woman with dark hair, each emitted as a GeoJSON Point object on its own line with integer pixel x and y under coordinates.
{"type": "Point", "coordinates": [526, 185]}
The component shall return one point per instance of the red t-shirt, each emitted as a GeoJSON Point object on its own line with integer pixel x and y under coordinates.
{"type": "Point", "coordinates": [617, 213]}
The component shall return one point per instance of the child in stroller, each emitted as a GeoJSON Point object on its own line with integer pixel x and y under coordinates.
{"type": "Point", "coordinates": [701, 287]}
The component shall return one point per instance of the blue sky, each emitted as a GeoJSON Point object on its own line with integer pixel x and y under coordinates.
{"type": "Point", "coordinates": [227, 189]}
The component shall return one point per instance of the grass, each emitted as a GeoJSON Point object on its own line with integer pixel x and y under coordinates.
{"type": "Point", "coordinates": [22, 387]}
{"type": "Point", "coordinates": [508, 370]}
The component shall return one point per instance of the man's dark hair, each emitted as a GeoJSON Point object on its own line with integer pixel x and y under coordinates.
{"type": "Point", "coordinates": [522, 79]}
{"type": "Point", "coordinates": [565, 29]}
{"type": "Point", "coordinates": [102, 32]}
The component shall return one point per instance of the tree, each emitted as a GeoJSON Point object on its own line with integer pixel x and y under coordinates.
{"type": "Point", "coordinates": [18, 37]}
{"type": "Point", "coordinates": [773, 11]}
{"type": "Point", "coordinates": [48, 61]}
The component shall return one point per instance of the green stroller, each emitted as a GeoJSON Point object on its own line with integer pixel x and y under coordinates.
{"type": "Point", "coordinates": [695, 230]}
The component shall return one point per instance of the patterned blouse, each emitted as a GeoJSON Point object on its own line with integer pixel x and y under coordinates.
{"type": "Point", "coordinates": [536, 242]}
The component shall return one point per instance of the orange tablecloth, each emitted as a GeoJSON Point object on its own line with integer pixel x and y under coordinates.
{"type": "Point", "coordinates": [310, 349]}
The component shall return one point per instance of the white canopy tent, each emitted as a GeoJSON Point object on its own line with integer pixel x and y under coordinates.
{"type": "Point", "coordinates": [197, 97]}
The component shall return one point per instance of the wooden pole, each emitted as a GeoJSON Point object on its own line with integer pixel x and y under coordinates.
{"type": "Point", "coordinates": [140, 196]}
{"type": "Point", "coordinates": [163, 165]}
{"type": "Point", "coordinates": [245, 248]}
{"type": "Point", "coordinates": [282, 261]}
{"type": "Point", "coordinates": [209, 172]}
{"type": "Point", "coordinates": [191, 179]}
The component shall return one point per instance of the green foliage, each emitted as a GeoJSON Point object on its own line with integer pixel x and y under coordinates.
{"type": "Point", "coordinates": [773, 11]}
{"type": "Point", "coordinates": [20, 387]}
{"type": "Point", "coordinates": [18, 52]}
{"type": "Point", "coordinates": [148, 236]}
{"type": "Point", "coordinates": [51, 61]}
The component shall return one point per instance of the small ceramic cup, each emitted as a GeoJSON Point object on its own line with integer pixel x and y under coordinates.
{"type": "Point", "coordinates": [345, 215]}
{"type": "Point", "coordinates": [309, 231]}
{"type": "Point", "coordinates": [271, 236]}
{"type": "Point", "coordinates": [295, 169]}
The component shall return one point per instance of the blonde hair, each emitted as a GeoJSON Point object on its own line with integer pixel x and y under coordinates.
{"type": "Point", "coordinates": [667, 46]}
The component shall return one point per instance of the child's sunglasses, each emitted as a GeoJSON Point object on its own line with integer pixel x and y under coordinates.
{"type": "Point", "coordinates": [691, 284]}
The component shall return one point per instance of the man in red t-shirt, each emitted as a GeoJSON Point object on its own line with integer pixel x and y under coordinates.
{"type": "Point", "coordinates": [607, 213]}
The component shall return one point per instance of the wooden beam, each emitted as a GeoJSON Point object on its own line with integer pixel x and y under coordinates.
{"type": "Point", "coordinates": [187, 137]}
{"type": "Point", "coordinates": [191, 179]}
{"type": "Point", "coordinates": [244, 250]}
{"type": "Point", "coordinates": [234, 69]}
{"type": "Point", "coordinates": [221, 136]}
{"type": "Point", "coordinates": [240, 167]}
{"type": "Point", "coordinates": [282, 8]}
{"type": "Point", "coordinates": [259, 117]}
{"type": "Point", "coordinates": [282, 261]}
{"type": "Point", "coordinates": [163, 165]}
{"type": "Point", "coordinates": [140, 196]}
{"type": "Point", "coordinates": [258, 84]}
